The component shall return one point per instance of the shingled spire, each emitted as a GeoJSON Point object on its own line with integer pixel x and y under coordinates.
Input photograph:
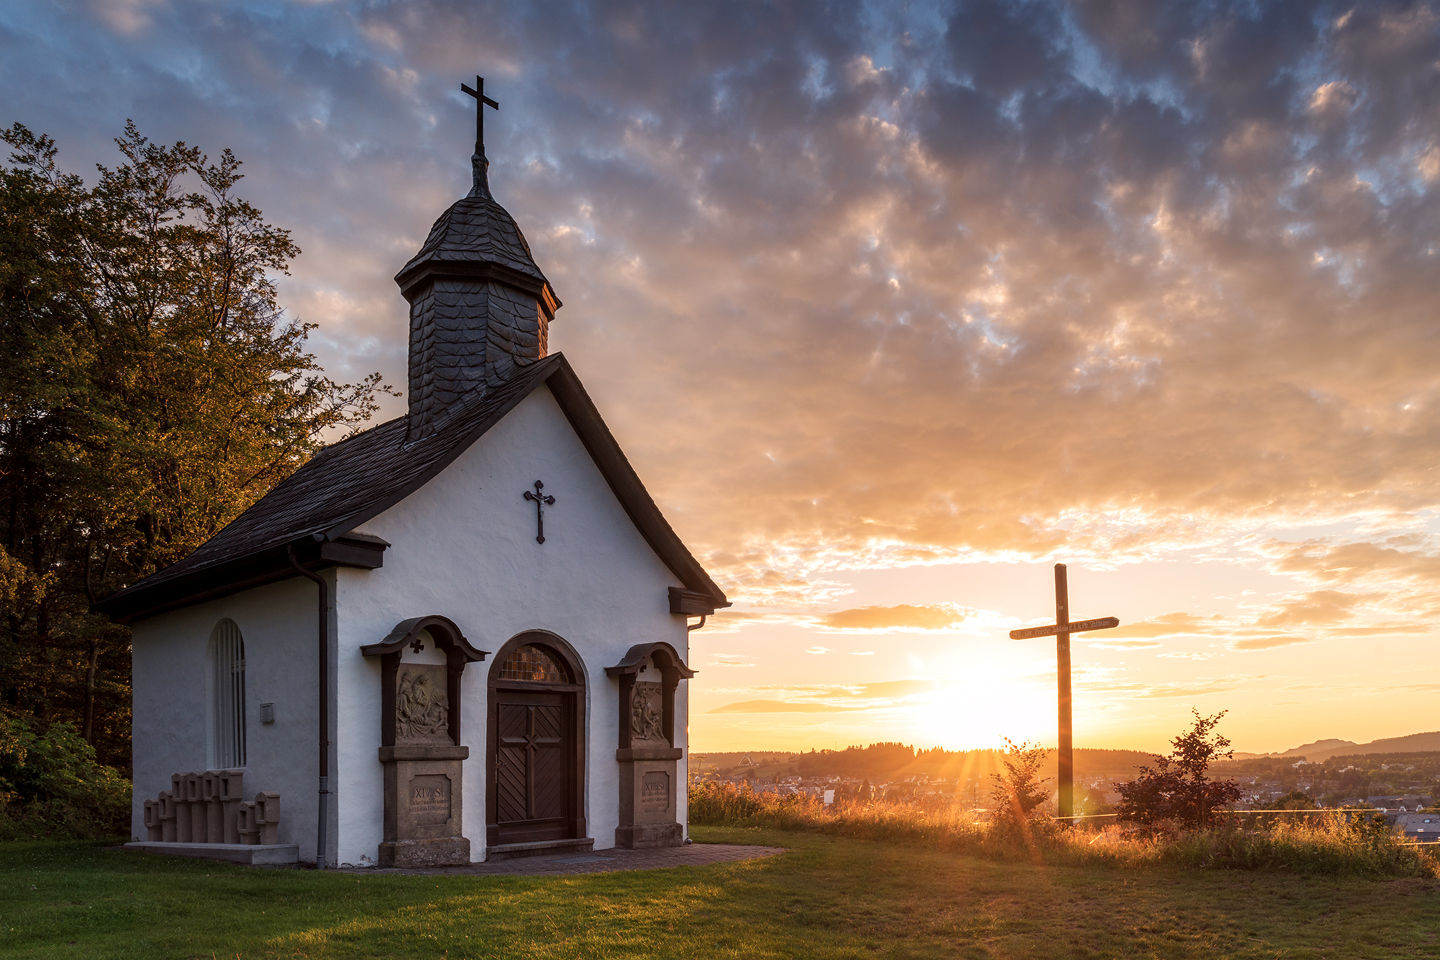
{"type": "Point", "coordinates": [479, 306]}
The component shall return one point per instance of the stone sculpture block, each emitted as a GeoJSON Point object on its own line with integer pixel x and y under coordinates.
{"type": "Point", "coordinates": [182, 809]}
{"type": "Point", "coordinates": [195, 804]}
{"type": "Point", "coordinates": [248, 827]}
{"type": "Point", "coordinates": [214, 808]}
{"type": "Point", "coordinates": [154, 827]}
{"type": "Point", "coordinates": [232, 793]}
{"type": "Point", "coordinates": [647, 755]}
{"type": "Point", "coordinates": [208, 808]}
{"type": "Point", "coordinates": [168, 832]}
{"type": "Point", "coordinates": [421, 769]}
{"type": "Point", "coordinates": [267, 816]}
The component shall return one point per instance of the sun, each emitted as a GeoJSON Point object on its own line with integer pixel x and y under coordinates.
{"type": "Point", "coordinates": [979, 703]}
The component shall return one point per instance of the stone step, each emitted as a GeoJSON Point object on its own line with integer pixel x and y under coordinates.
{"type": "Point", "coordinates": [537, 848]}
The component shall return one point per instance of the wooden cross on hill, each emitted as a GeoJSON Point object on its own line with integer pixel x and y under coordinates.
{"type": "Point", "coordinates": [481, 102]}
{"type": "Point", "coordinates": [1061, 630]}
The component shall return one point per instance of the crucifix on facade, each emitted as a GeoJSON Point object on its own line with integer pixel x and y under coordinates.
{"type": "Point", "coordinates": [542, 501]}
{"type": "Point", "coordinates": [1061, 630]}
{"type": "Point", "coordinates": [481, 102]}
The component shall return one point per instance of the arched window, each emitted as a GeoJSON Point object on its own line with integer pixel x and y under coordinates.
{"type": "Point", "coordinates": [535, 664]}
{"type": "Point", "coordinates": [227, 719]}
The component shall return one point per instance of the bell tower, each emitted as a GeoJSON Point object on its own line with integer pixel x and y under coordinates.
{"type": "Point", "coordinates": [479, 305]}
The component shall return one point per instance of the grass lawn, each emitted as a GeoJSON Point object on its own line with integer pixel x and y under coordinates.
{"type": "Point", "coordinates": [826, 898]}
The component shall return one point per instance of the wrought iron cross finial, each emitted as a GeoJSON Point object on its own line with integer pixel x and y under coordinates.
{"type": "Point", "coordinates": [417, 645]}
{"type": "Point", "coordinates": [481, 102]}
{"type": "Point", "coordinates": [541, 502]}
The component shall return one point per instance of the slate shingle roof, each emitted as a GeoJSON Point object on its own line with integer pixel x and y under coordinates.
{"type": "Point", "coordinates": [479, 229]}
{"type": "Point", "coordinates": [360, 477]}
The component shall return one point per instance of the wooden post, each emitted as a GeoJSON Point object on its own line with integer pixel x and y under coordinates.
{"type": "Point", "coordinates": [1062, 664]}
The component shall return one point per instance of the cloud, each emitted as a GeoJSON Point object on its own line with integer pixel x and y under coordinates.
{"type": "Point", "coordinates": [1168, 625]}
{"type": "Point", "coordinates": [729, 660]}
{"type": "Point", "coordinates": [929, 617]}
{"type": "Point", "coordinates": [818, 651]}
{"type": "Point", "coordinates": [1122, 644]}
{"type": "Point", "coordinates": [974, 281]}
{"type": "Point", "coordinates": [782, 706]}
{"type": "Point", "coordinates": [821, 698]}
{"type": "Point", "coordinates": [1267, 643]}
{"type": "Point", "coordinates": [1197, 688]}
{"type": "Point", "coordinates": [1323, 607]}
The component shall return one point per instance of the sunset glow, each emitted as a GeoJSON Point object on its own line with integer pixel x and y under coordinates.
{"type": "Point", "coordinates": [893, 307]}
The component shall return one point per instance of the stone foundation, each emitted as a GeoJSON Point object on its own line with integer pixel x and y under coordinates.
{"type": "Point", "coordinates": [435, 852]}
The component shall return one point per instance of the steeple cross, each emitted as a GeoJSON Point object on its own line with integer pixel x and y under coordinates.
{"type": "Point", "coordinates": [541, 502]}
{"type": "Point", "coordinates": [481, 102]}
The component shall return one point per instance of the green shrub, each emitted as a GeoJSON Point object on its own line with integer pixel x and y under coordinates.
{"type": "Point", "coordinates": [51, 787]}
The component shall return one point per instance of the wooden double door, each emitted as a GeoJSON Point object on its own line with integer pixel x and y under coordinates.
{"type": "Point", "coordinates": [535, 770]}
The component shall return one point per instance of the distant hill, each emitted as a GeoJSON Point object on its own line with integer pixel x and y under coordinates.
{"type": "Point", "coordinates": [1325, 749]}
{"type": "Point", "coordinates": [887, 761]}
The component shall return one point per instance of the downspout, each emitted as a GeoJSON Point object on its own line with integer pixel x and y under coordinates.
{"type": "Point", "coordinates": [691, 628]}
{"type": "Point", "coordinates": [324, 703]}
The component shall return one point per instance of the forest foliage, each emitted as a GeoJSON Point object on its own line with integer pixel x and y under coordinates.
{"type": "Point", "coordinates": [153, 389]}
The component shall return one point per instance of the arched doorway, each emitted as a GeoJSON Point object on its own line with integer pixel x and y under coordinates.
{"type": "Point", "coordinates": [535, 756]}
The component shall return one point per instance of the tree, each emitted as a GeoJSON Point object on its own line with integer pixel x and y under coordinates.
{"type": "Point", "coordinates": [1016, 793]}
{"type": "Point", "coordinates": [153, 389]}
{"type": "Point", "coordinates": [1177, 787]}
{"type": "Point", "coordinates": [1294, 800]}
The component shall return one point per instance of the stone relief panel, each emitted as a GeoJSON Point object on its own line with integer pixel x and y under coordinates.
{"type": "Point", "coordinates": [422, 706]}
{"type": "Point", "coordinates": [647, 718]}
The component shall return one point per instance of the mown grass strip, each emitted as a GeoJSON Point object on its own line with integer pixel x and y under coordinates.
{"type": "Point", "coordinates": [828, 897]}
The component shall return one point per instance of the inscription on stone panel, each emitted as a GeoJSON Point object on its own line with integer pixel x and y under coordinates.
{"type": "Point", "coordinates": [430, 799]}
{"type": "Point", "coordinates": [655, 791]}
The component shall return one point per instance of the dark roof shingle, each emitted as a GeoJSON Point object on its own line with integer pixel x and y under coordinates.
{"type": "Point", "coordinates": [358, 478]}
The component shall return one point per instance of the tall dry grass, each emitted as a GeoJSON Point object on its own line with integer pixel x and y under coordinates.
{"type": "Point", "coordinates": [1324, 844]}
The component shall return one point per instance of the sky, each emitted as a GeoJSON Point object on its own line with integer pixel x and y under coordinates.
{"type": "Point", "coordinates": [895, 305]}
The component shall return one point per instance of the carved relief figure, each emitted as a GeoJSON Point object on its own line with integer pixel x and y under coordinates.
{"type": "Point", "coordinates": [646, 721]}
{"type": "Point", "coordinates": [422, 708]}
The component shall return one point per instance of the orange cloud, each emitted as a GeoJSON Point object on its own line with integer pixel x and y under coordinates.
{"type": "Point", "coordinates": [940, 616]}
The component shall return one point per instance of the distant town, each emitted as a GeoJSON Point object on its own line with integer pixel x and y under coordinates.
{"type": "Point", "coordinates": [1403, 785]}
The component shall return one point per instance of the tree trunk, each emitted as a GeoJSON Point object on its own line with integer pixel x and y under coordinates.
{"type": "Point", "coordinates": [89, 731]}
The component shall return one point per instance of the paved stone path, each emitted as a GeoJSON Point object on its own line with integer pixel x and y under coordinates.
{"type": "Point", "coordinates": [601, 861]}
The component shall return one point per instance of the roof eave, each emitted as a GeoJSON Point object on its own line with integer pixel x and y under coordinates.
{"type": "Point", "coordinates": [625, 483]}
{"type": "Point", "coordinates": [229, 577]}
{"type": "Point", "coordinates": [416, 272]}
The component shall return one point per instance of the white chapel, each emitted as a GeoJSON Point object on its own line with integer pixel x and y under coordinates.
{"type": "Point", "coordinates": [459, 635]}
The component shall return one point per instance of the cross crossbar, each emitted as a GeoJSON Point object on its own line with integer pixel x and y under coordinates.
{"type": "Point", "coordinates": [481, 102]}
{"type": "Point", "coordinates": [1079, 626]}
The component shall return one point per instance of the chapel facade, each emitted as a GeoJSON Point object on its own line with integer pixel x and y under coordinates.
{"type": "Point", "coordinates": [459, 635]}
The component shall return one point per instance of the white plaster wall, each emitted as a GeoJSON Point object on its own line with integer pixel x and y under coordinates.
{"type": "Point", "coordinates": [171, 716]}
{"type": "Point", "coordinates": [463, 546]}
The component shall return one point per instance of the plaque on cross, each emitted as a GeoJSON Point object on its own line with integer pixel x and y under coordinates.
{"type": "Point", "coordinates": [481, 102]}
{"type": "Point", "coordinates": [542, 500]}
{"type": "Point", "coordinates": [1061, 630]}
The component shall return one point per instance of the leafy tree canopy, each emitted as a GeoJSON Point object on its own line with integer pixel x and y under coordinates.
{"type": "Point", "coordinates": [153, 389]}
{"type": "Point", "coordinates": [1178, 787]}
